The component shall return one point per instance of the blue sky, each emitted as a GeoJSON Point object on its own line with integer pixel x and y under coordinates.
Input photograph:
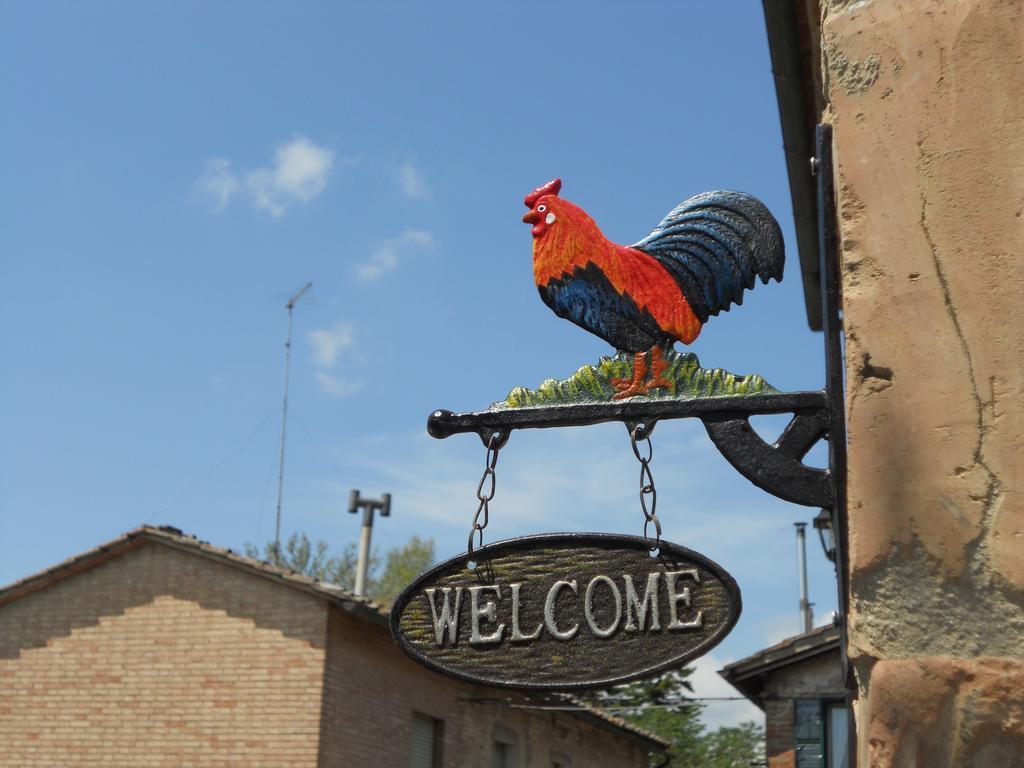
{"type": "Point", "coordinates": [173, 172]}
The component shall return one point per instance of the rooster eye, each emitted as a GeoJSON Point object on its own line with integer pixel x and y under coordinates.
{"type": "Point", "coordinates": [541, 208]}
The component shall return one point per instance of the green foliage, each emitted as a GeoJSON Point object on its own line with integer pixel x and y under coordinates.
{"type": "Point", "coordinates": [661, 705]}
{"type": "Point", "coordinates": [737, 747]}
{"type": "Point", "coordinates": [593, 383]}
{"type": "Point", "coordinates": [300, 555]}
{"type": "Point", "coordinates": [401, 564]}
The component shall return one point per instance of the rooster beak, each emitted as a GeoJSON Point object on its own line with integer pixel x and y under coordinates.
{"type": "Point", "coordinates": [531, 218]}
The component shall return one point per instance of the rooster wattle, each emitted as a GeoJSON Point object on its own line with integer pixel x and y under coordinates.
{"type": "Point", "coordinates": [643, 298]}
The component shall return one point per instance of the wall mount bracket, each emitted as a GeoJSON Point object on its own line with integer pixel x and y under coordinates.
{"type": "Point", "coordinates": [776, 467]}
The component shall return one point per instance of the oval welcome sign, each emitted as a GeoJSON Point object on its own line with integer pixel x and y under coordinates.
{"type": "Point", "coordinates": [566, 611]}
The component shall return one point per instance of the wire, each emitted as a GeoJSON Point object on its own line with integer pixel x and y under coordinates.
{"type": "Point", "coordinates": [210, 470]}
{"type": "Point", "coordinates": [624, 707]}
{"type": "Point", "coordinates": [628, 707]}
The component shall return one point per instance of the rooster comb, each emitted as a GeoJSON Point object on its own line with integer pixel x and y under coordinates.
{"type": "Point", "coordinates": [551, 188]}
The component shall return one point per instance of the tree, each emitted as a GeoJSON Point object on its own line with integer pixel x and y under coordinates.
{"type": "Point", "coordinates": [734, 747]}
{"type": "Point", "coordinates": [661, 705]}
{"type": "Point", "coordinates": [402, 564]}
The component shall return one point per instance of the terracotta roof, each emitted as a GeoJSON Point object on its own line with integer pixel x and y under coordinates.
{"type": "Point", "coordinates": [618, 722]}
{"type": "Point", "coordinates": [746, 675]}
{"type": "Point", "coordinates": [173, 537]}
{"type": "Point", "coordinates": [359, 606]}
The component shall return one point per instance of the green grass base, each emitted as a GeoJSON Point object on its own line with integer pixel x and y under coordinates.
{"type": "Point", "coordinates": [592, 383]}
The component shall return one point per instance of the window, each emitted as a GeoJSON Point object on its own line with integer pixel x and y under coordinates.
{"type": "Point", "coordinates": [820, 734]}
{"type": "Point", "coordinates": [503, 755]}
{"type": "Point", "coordinates": [504, 748]}
{"type": "Point", "coordinates": [427, 741]}
{"type": "Point", "coordinates": [809, 734]}
{"type": "Point", "coordinates": [837, 736]}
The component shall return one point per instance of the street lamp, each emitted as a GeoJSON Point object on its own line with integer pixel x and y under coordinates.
{"type": "Point", "coordinates": [823, 525]}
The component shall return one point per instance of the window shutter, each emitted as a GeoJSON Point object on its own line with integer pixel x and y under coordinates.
{"type": "Point", "coordinates": [809, 734]}
{"type": "Point", "coordinates": [423, 746]}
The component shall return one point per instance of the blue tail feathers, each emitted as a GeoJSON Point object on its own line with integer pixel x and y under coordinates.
{"type": "Point", "coordinates": [714, 245]}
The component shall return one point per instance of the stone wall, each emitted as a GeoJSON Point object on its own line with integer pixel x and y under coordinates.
{"type": "Point", "coordinates": [927, 102]}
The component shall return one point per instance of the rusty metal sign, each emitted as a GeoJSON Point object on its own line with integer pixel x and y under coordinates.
{"type": "Point", "coordinates": [566, 611]}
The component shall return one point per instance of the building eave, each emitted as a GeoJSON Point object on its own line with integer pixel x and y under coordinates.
{"type": "Point", "coordinates": [748, 675]}
{"type": "Point", "coordinates": [174, 538]}
{"type": "Point", "coordinates": [794, 53]}
{"type": "Point", "coordinates": [609, 722]}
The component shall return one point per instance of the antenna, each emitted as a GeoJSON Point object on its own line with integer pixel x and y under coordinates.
{"type": "Point", "coordinates": [284, 418]}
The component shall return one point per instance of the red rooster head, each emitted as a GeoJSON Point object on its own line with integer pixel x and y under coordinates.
{"type": "Point", "coordinates": [544, 205]}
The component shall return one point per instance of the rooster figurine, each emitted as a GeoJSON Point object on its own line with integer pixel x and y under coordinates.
{"type": "Point", "coordinates": [644, 297]}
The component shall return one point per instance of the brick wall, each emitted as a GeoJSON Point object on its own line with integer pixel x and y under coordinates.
{"type": "Point", "coordinates": [372, 690]}
{"type": "Point", "coordinates": [779, 722]}
{"type": "Point", "coordinates": [161, 657]}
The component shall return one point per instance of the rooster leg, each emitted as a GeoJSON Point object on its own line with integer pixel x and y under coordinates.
{"type": "Point", "coordinates": [644, 380]}
{"type": "Point", "coordinates": [634, 386]}
{"type": "Point", "coordinates": [658, 366]}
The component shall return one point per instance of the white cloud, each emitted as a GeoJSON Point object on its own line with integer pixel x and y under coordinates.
{"type": "Point", "coordinates": [335, 385]}
{"type": "Point", "coordinates": [780, 628]}
{"type": "Point", "coordinates": [385, 258]}
{"type": "Point", "coordinates": [719, 710]}
{"type": "Point", "coordinates": [218, 182]}
{"type": "Point", "coordinates": [436, 483]}
{"type": "Point", "coordinates": [412, 182]}
{"type": "Point", "coordinates": [327, 343]}
{"type": "Point", "coordinates": [298, 173]}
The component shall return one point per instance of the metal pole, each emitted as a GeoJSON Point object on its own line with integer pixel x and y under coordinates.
{"type": "Point", "coordinates": [806, 614]}
{"type": "Point", "coordinates": [284, 421]}
{"type": "Point", "coordinates": [364, 551]}
{"type": "Point", "coordinates": [369, 506]}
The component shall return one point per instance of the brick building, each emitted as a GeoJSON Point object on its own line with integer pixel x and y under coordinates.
{"type": "Point", "coordinates": [799, 685]}
{"type": "Point", "coordinates": [158, 649]}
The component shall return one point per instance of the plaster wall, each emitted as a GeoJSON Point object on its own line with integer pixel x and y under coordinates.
{"type": "Point", "coordinates": [816, 678]}
{"type": "Point", "coordinates": [927, 102]}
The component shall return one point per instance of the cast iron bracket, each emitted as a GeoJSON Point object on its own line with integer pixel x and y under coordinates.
{"type": "Point", "coordinates": [776, 467]}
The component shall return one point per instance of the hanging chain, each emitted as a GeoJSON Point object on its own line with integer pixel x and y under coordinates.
{"type": "Point", "coordinates": [648, 493]}
{"type": "Point", "coordinates": [494, 444]}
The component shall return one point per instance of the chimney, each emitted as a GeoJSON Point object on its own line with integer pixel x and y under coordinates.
{"type": "Point", "coordinates": [806, 614]}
